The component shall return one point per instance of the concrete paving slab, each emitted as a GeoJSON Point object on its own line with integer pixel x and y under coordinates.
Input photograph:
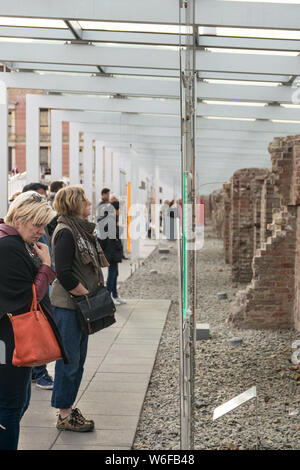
{"type": "Point", "coordinates": [121, 408]}
{"type": "Point", "coordinates": [101, 386]}
{"type": "Point", "coordinates": [145, 324]}
{"type": "Point", "coordinates": [117, 372]}
{"type": "Point", "coordinates": [119, 347]}
{"type": "Point", "coordinates": [125, 377]}
{"type": "Point", "coordinates": [140, 333]}
{"type": "Point", "coordinates": [125, 359]}
{"type": "Point", "coordinates": [109, 437]}
{"type": "Point", "coordinates": [132, 353]}
{"type": "Point", "coordinates": [131, 368]}
{"type": "Point", "coordinates": [40, 416]}
{"type": "Point", "coordinates": [137, 341]}
{"type": "Point", "coordinates": [32, 438]}
{"type": "Point", "coordinates": [114, 422]}
{"type": "Point", "coordinates": [38, 394]}
{"type": "Point", "coordinates": [108, 398]}
{"type": "Point", "coordinates": [73, 447]}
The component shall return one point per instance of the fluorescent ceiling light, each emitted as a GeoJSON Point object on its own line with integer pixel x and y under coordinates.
{"type": "Point", "coordinates": [229, 118]}
{"type": "Point", "coordinates": [135, 27]}
{"type": "Point", "coordinates": [16, 40]}
{"type": "Point", "coordinates": [290, 106]}
{"type": "Point", "coordinates": [66, 73]}
{"type": "Point", "coordinates": [32, 22]}
{"type": "Point", "coordinates": [234, 103]}
{"type": "Point", "coordinates": [250, 51]}
{"type": "Point", "coordinates": [284, 120]}
{"type": "Point", "coordinates": [124, 45]}
{"type": "Point", "coordinates": [240, 82]}
{"type": "Point", "coordinates": [27, 40]}
{"type": "Point", "coordinates": [250, 33]}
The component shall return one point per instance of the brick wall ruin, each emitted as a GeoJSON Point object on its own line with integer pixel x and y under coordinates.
{"type": "Point", "coordinates": [262, 236]}
{"type": "Point", "coordinates": [235, 214]}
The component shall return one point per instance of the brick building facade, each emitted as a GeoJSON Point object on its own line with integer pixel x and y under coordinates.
{"type": "Point", "coordinates": [17, 133]}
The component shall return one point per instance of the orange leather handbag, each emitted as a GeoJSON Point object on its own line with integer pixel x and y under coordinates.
{"type": "Point", "coordinates": [35, 341]}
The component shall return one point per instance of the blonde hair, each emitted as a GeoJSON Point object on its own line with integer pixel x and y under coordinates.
{"type": "Point", "coordinates": [68, 200]}
{"type": "Point", "coordinates": [30, 207]}
{"type": "Point", "coordinates": [13, 197]}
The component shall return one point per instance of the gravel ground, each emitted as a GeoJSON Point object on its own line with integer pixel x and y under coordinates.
{"type": "Point", "coordinates": [222, 371]}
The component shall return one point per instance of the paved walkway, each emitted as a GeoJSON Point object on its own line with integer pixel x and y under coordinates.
{"type": "Point", "coordinates": [117, 372]}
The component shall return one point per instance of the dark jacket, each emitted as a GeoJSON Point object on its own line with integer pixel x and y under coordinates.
{"type": "Point", "coordinates": [112, 247]}
{"type": "Point", "coordinates": [17, 274]}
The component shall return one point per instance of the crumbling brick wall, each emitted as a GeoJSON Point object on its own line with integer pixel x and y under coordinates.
{"type": "Point", "coordinates": [245, 192]}
{"type": "Point", "coordinates": [268, 301]}
{"type": "Point", "coordinates": [272, 298]}
{"type": "Point", "coordinates": [270, 200]}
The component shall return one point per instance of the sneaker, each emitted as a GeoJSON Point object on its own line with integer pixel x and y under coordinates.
{"type": "Point", "coordinates": [116, 301]}
{"type": "Point", "coordinates": [45, 382]}
{"type": "Point", "coordinates": [122, 301]}
{"type": "Point", "coordinates": [75, 422]}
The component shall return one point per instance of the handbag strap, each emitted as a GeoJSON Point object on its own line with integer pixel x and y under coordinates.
{"type": "Point", "coordinates": [34, 298]}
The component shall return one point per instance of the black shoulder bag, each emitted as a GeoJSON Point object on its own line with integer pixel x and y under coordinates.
{"type": "Point", "coordinates": [96, 310]}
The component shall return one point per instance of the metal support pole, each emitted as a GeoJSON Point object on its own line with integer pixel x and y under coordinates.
{"type": "Point", "coordinates": [188, 259]}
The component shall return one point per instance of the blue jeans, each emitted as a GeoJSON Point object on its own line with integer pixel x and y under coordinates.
{"type": "Point", "coordinates": [112, 277]}
{"type": "Point", "coordinates": [39, 371]}
{"type": "Point", "coordinates": [15, 390]}
{"type": "Point", "coordinates": [68, 376]}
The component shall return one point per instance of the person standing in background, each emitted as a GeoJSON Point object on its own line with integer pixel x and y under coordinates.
{"type": "Point", "coordinates": [112, 247]}
{"type": "Point", "coordinates": [55, 186]}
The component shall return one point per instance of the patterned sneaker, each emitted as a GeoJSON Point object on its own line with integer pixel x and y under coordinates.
{"type": "Point", "coordinates": [45, 382]}
{"type": "Point", "coordinates": [75, 422]}
{"type": "Point", "coordinates": [119, 299]}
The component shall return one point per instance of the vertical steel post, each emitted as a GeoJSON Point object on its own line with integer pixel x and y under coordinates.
{"type": "Point", "coordinates": [188, 253]}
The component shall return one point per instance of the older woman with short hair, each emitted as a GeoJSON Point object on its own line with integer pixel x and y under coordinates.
{"type": "Point", "coordinates": [78, 259]}
{"type": "Point", "coordinates": [24, 224]}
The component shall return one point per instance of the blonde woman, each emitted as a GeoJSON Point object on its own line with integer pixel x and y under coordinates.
{"type": "Point", "coordinates": [24, 224]}
{"type": "Point", "coordinates": [78, 259]}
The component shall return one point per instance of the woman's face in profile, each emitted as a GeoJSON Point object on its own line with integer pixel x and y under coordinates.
{"type": "Point", "coordinates": [85, 210]}
{"type": "Point", "coordinates": [29, 232]}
